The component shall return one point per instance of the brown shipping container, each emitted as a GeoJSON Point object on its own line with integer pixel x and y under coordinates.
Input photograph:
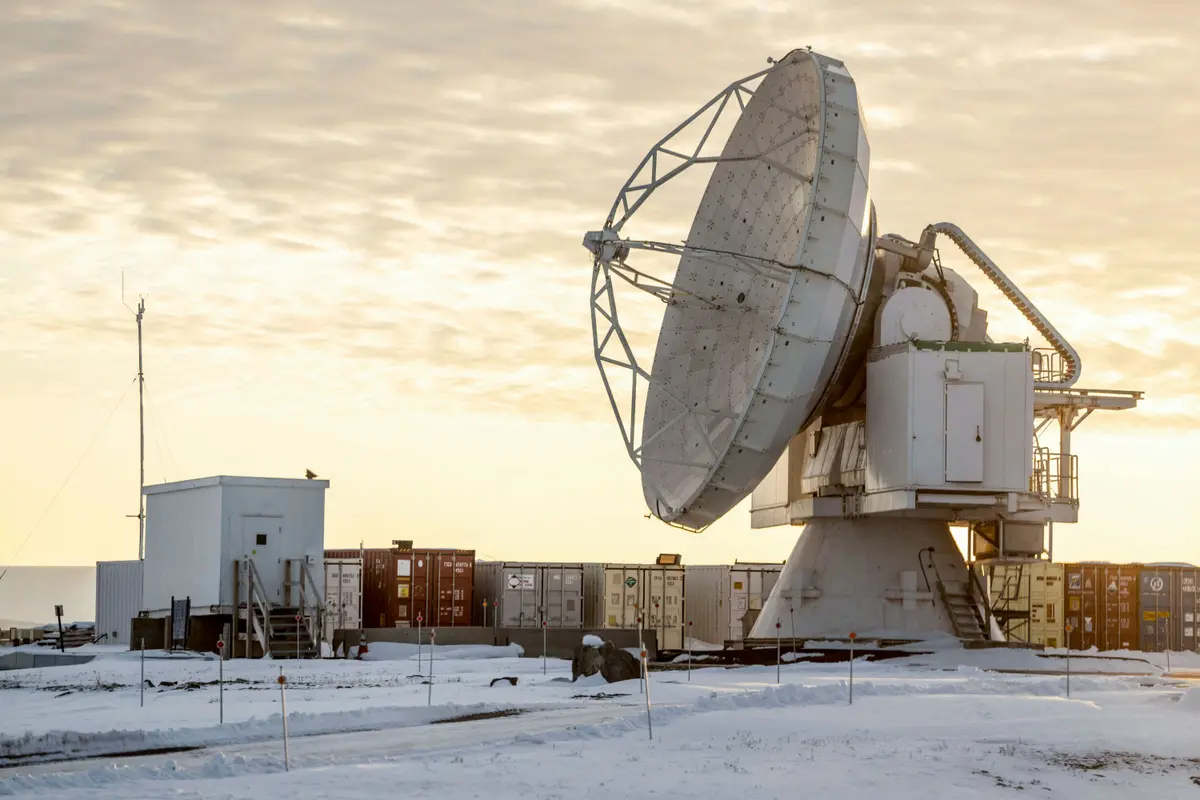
{"type": "Point", "coordinates": [379, 603]}
{"type": "Point", "coordinates": [399, 585]}
{"type": "Point", "coordinates": [1102, 606]}
{"type": "Point", "coordinates": [437, 585]}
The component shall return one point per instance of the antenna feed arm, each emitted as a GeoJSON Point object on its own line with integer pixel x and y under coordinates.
{"type": "Point", "coordinates": [1073, 366]}
{"type": "Point", "coordinates": [606, 245]}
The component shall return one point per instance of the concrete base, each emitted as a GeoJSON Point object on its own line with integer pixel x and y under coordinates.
{"type": "Point", "coordinates": [560, 642]}
{"type": "Point", "coordinates": [864, 576]}
{"type": "Point", "coordinates": [24, 659]}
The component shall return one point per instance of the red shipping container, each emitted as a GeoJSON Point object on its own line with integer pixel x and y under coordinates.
{"type": "Point", "coordinates": [1102, 606]}
{"type": "Point", "coordinates": [400, 585]}
{"type": "Point", "coordinates": [441, 586]}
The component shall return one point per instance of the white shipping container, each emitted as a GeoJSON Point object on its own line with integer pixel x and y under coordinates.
{"type": "Point", "coordinates": [724, 600]}
{"type": "Point", "coordinates": [343, 595]}
{"type": "Point", "coordinates": [118, 599]}
{"type": "Point", "coordinates": [655, 591]}
{"type": "Point", "coordinates": [530, 593]}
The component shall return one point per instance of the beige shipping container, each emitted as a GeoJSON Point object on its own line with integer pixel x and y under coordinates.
{"type": "Point", "coordinates": [656, 590]}
{"type": "Point", "coordinates": [723, 601]}
{"type": "Point", "coordinates": [1036, 589]}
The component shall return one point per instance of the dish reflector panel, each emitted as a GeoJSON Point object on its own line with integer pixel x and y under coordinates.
{"type": "Point", "coordinates": [745, 363]}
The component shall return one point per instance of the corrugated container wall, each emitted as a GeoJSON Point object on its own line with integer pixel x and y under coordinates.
{"type": "Point", "coordinates": [527, 593]}
{"type": "Point", "coordinates": [343, 595]}
{"type": "Point", "coordinates": [1187, 614]}
{"type": "Point", "coordinates": [400, 585]}
{"type": "Point", "coordinates": [723, 601]}
{"type": "Point", "coordinates": [435, 585]}
{"type": "Point", "coordinates": [620, 591]}
{"type": "Point", "coordinates": [118, 599]}
{"type": "Point", "coordinates": [379, 602]}
{"type": "Point", "coordinates": [1155, 597]}
{"type": "Point", "coordinates": [1102, 606]}
{"type": "Point", "coordinates": [1031, 598]}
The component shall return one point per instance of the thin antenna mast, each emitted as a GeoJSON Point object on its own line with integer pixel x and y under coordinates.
{"type": "Point", "coordinates": [141, 515]}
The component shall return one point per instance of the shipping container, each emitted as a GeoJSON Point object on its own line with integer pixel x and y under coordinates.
{"type": "Point", "coordinates": [647, 596]}
{"type": "Point", "coordinates": [1102, 606]}
{"type": "Point", "coordinates": [118, 599]}
{"type": "Point", "coordinates": [1187, 612]}
{"type": "Point", "coordinates": [1155, 596]}
{"type": "Point", "coordinates": [343, 595]}
{"type": "Point", "coordinates": [435, 585]}
{"type": "Point", "coordinates": [379, 600]}
{"type": "Point", "coordinates": [401, 585]}
{"type": "Point", "coordinates": [530, 593]}
{"type": "Point", "coordinates": [723, 601]}
{"type": "Point", "coordinates": [1029, 601]}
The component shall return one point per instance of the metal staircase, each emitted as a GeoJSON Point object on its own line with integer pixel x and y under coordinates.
{"type": "Point", "coordinates": [291, 629]}
{"type": "Point", "coordinates": [965, 602]}
{"type": "Point", "coordinates": [290, 636]}
{"type": "Point", "coordinates": [969, 622]}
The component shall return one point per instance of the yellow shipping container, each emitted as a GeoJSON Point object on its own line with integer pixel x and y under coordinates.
{"type": "Point", "coordinates": [1029, 600]}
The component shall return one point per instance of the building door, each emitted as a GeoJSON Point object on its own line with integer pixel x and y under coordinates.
{"type": "Point", "coordinates": [262, 542]}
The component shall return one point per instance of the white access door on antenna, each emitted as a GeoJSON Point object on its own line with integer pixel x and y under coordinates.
{"type": "Point", "coordinates": [964, 432]}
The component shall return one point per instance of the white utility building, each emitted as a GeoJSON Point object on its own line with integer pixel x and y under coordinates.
{"type": "Point", "coordinates": [250, 546]}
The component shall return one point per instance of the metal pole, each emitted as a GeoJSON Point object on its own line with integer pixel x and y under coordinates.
{"type": "Point", "coordinates": [778, 653]}
{"type": "Point", "coordinates": [543, 647]}
{"type": "Point", "coordinates": [141, 309]}
{"type": "Point", "coordinates": [420, 620]}
{"type": "Point", "coordinates": [432, 635]}
{"type": "Point", "coordinates": [142, 695]}
{"type": "Point", "coordinates": [852, 669]}
{"type": "Point", "coordinates": [283, 708]}
{"type": "Point", "coordinates": [792, 618]}
{"type": "Point", "coordinates": [62, 642]}
{"type": "Point", "coordinates": [1068, 672]}
{"type": "Point", "coordinates": [221, 685]}
{"type": "Point", "coordinates": [642, 648]}
{"type": "Point", "coordinates": [689, 648]}
{"type": "Point", "coordinates": [646, 678]}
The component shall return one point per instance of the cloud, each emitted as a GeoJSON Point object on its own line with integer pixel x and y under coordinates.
{"type": "Point", "coordinates": [405, 186]}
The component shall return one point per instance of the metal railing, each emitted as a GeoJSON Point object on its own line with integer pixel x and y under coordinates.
{"type": "Point", "coordinates": [258, 608]}
{"type": "Point", "coordinates": [1055, 476]}
{"type": "Point", "coordinates": [314, 619]}
{"type": "Point", "coordinates": [1048, 366]}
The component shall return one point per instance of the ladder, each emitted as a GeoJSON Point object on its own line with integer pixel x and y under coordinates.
{"type": "Point", "coordinates": [963, 609]}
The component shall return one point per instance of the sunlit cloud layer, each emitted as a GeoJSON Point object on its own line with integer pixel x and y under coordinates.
{"type": "Point", "coordinates": [385, 200]}
{"type": "Point", "coordinates": [409, 182]}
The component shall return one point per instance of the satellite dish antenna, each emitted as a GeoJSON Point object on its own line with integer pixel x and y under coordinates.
{"type": "Point", "coordinates": [767, 293]}
{"type": "Point", "coordinates": [792, 330]}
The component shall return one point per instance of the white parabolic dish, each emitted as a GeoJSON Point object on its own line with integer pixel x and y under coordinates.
{"type": "Point", "coordinates": [754, 364]}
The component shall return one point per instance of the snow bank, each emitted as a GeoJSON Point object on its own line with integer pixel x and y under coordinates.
{"type": "Point", "coordinates": [58, 745]}
{"type": "Point", "coordinates": [1190, 700]}
{"type": "Point", "coordinates": [593, 641]}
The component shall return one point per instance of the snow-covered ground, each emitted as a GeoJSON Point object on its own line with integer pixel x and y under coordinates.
{"type": "Point", "coordinates": [936, 726]}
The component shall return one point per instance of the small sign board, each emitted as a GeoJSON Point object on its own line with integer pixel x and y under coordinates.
{"type": "Point", "coordinates": [517, 581]}
{"type": "Point", "coordinates": [631, 581]}
{"type": "Point", "coordinates": [220, 645]}
{"type": "Point", "coordinates": [58, 611]}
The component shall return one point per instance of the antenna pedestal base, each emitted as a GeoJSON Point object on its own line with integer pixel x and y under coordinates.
{"type": "Point", "coordinates": [879, 577]}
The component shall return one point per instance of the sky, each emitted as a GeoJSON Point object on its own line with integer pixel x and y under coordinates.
{"type": "Point", "coordinates": [357, 229]}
